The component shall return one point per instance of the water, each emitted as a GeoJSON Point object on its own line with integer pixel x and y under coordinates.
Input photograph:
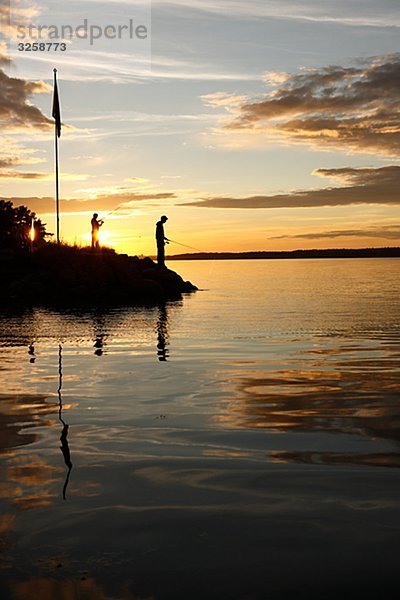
{"type": "Point", "coordinates": [242, 443]}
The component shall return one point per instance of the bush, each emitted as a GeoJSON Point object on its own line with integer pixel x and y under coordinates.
{"type": "Point", "coordinates": [15, 227]}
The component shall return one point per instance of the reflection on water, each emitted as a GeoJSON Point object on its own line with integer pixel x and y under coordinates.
{"type": "Point", "coordinates": [99, 345]}
{"type": "Point", "coordinates": [260, 444]}
{"type": "Point", "coordinates": [162, 334]}
{"type": "Point", "coordinates": [64, 433]}
{"type": "Point", "coordinates": [99, 326]}
{"type": "Point", "coordinates": [341, 398]}
{"type": "Point", "coordinates": [47, 588]}
{"type": "Point", "coordinates": [31, 352]}
{"type": "Point", "coordinates": [21, 414]}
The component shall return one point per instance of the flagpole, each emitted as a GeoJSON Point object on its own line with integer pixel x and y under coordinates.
{"type": "Point", "coordinates": [56, 168]}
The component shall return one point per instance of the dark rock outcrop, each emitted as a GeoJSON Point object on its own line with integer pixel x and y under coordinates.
{"type": "Point", "coordinates": [70, 276]}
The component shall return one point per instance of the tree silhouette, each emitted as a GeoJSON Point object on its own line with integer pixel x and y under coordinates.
{"type": "Point", "coordinates": [15, 227]}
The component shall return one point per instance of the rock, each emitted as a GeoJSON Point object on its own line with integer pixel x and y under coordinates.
{"type": "Point", "coordinates": [70, 276]}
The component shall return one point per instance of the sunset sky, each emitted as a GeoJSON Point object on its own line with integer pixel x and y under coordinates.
{"type": "Point", "coordinates": [254, 125]}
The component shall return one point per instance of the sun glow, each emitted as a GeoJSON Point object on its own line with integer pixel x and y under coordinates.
{"type": "Point", "coordinates": [104, 236]}
{"type": "Point", "coordinates": [32, 231]}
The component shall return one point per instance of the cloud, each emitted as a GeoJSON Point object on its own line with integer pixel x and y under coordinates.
{"type": "Point", "coordinates": [127, 199]}
{"type": "Point", "coordinates": [119, 67]}
{"type": "Point", "coordinates": [345, 12]}
{"type": "Point", "coordinates": [8, 172]}
{"type": "Point", "coordinates": [22, 175]}
{"type": "Point", "coordinates": [4, 60]}
{"type": "Point", "coordinates": [365, 186]}
{"type": "Point", "coordinates": [389, 232]}
{"type": "Point", "coordinates": [14, 13]}
{"type": "Point", "coordinates": [8, 163]}
{"type": "Point", "coordinates": [354, 108]}
{"type": "Point", "coordinates": [275, 77]}
{"type": "Point", "coordinates": [100, 203]}
{"type": "Point", "coordinates": [14, 155]}
{"type": "Point", "coordinates": [19, 116]}
{"type": "Point", "coordinates": [223, 99]}
{"type": "Point", "coordinates": [16, 112]}
{"type": "Point", "coordinates": [363, 175]}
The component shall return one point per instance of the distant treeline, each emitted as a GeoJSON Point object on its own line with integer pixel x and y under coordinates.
{"type": "Point", "coordinates": [326, 253]}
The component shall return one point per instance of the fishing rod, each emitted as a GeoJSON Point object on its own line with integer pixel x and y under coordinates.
{"type": "Point", "coordinates": [197, 250]}
{"type": "Point", "coordinates": [185, 245]}
{"type": "Point", "coordinates": [113, 211]}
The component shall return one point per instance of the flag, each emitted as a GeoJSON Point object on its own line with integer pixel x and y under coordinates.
{"type": "Point", "coordinates": [56, 113]}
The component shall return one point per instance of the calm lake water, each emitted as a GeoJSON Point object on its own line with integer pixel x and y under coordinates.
{"type": "Point", "coordinates": [240, 444]}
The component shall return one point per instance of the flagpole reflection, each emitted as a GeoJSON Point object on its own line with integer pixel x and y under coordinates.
{"type": "Point", "coordinates": [64, 433]}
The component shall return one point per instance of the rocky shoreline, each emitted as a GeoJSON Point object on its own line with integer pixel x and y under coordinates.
{"type": "Point", "coordinates": [70, 276]}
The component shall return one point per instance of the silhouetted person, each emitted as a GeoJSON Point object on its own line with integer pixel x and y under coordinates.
{"type": "Point", "coordinates": [95, 231]}
{"type": "Point", "coordinates": [161, 241]}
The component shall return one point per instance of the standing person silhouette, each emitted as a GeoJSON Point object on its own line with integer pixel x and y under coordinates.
{"type": "Point", "coordinates": [161, 241]}
{"type": "Point", "coordinates": [95, 231]}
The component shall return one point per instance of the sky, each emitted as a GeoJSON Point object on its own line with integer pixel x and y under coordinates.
{"type": "Point", "coordinates": [253, 125]}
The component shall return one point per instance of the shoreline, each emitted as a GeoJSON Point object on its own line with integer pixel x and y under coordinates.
{"type": "Point", "coordinates": [67, 276]}
{"type": "Point", "coordinates": [389, 252]}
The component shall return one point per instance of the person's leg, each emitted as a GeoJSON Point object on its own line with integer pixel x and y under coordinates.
{"type": "Point", "coordinates": [160, 255]}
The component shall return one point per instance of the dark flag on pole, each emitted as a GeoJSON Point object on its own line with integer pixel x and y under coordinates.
{"type": "Point", "coordinates": [56, 113]}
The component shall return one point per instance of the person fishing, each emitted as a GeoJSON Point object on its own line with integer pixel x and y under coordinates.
{"type": "Point", "coordinates": [161, 241]}
{"type": "Point", "coordinates": [96, 224]}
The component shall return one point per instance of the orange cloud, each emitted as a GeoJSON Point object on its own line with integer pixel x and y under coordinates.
{"type": "Point", "coordinates": [101, 202]}
{"type": "Point", "coordinates": [388, 232]}
{"type": "Point", "coordinates": [223, 99]}
{"type": "Point", "coordinates": [8, 173]}
{"type": "Point", "coordinates": [365, 186]}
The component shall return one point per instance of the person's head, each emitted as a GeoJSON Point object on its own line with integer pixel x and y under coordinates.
{"type": "Point", "coordinates": [164, 219]}
{"type": "Point", "coordinates": [95, 215]}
